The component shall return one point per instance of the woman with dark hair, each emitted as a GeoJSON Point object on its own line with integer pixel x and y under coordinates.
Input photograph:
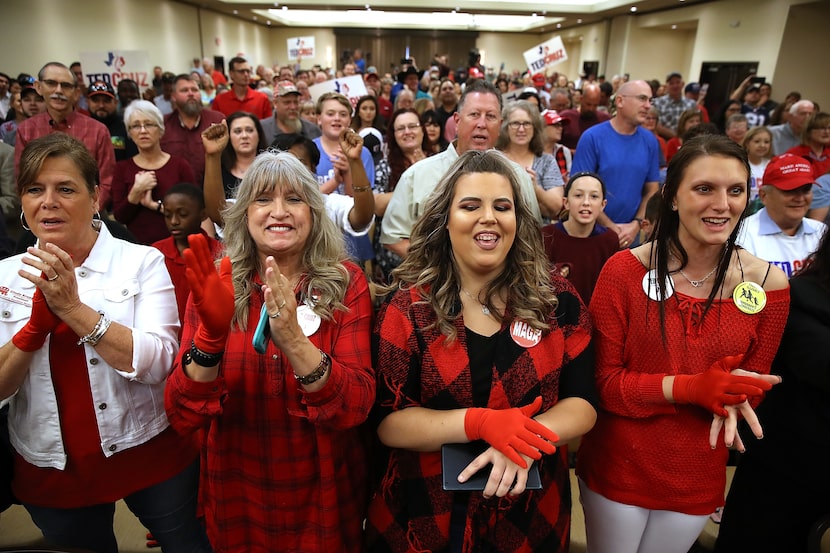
{"type": "Point", "coordinates": [649, 478]}
{"type": "Point", "coordinates": [778, 493]}
{"type": "Point", "coordinates": [90, 333]}
{"type": "Point", "coordinates": [407, 144]}
{"type": "Point", "coordinates": [369, 124]}
{"type": "Point", "coordinates": [478, 345]}
{"type": "Point", "coordinates": [730, 108]}
{"type": "Point", "coordinates": [522, 140]}
{"type": "Point", "coordinates": [246, 141]}
{"type": "Point", "coordinates": [432, 129]}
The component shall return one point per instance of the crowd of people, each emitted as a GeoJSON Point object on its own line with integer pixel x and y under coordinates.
{"type": "Point", "coordinates": [275, 322]}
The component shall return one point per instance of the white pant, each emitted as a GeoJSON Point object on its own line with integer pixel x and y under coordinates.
{"type": "Point", "coordinates": [613, 527]}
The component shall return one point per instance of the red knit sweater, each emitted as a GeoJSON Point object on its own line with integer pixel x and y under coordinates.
{"type": "Point", "coordinates": [644, 450]}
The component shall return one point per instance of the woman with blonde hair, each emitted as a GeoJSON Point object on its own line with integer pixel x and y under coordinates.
{"type": "Point", "coordinates": [275, 365]}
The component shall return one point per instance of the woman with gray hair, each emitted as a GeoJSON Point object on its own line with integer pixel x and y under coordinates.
{"type": "Point", "coordinates": [139, 183]}
{"type": "Point", "coordinates": [521, 138]}
{"type": "Point", "coordinates": [285, 467]}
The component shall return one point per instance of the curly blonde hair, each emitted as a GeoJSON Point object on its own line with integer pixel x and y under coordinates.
{"type": "Point", "coordinates": [430, 265]}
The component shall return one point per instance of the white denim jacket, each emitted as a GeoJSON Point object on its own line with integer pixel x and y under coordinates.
{"type": "Point", "coordinates": [131, 285]}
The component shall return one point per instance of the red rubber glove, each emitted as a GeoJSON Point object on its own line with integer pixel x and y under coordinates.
{"type": "Point", "coordinates": [715, 387]}
{"type": "Point", "coordinates": [212, 294]}
{"type": "Point", "coordinates": [511, 431]}
{"type": "Point", "coordinates": [40, 324]}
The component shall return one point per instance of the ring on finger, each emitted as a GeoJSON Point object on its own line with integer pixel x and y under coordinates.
{"type": "Point", "coordinates": [275, 315]}
{"type": "Point", "coordinates": [279, 308]}
{"type": "Point", "coordinates": [53, 278]}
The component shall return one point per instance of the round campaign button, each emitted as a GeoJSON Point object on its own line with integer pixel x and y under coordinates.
{"type": "Point", "coordinates": [524, 334]}
{"type": "Point", "coordinates": [749, 297]}
{"type": "Point", "coordinates": [650, 286]}
{"type": "Point", "coordinates": [308, 320]}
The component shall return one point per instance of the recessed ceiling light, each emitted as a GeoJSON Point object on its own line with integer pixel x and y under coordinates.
{"type": "Point", "coordinates": [255, 18]}
{"type": "Point", "coordinates": [558, 25]}
{"type": "Point", "coordinates": [236, 12]}
{"type": "Point", "coordinates": [268, 22]}
{"type": "Point", "coordinates": [579, 20]}
{"type": "Point", "coordinates": [674, 26]}
{"type": "Point", "coordinates": [285, 8]}
{"type": "Point", "coordinates": [633, 9]}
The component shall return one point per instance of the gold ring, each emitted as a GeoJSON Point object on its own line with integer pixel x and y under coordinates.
{"type": "Point", "coordinates": [53, 278]}
{"type": "Point", "coordinates": [275, 315]}
{"type": "Point", "coordinates": [281, 306]}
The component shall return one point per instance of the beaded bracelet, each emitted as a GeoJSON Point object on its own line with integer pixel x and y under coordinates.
{"type": "Point", "coordinates": [318, 372]}
{"type": "Point", "coordinates": [361, 188]}
{"type": "Point", "coordinates": [204, 358]}
{"type": "Point", "coordinates": [97, 332]}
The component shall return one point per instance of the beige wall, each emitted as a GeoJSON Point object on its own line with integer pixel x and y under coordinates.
{"type": "Point", "coordinates": [787, 37]}
{"type": "Point", "coordinates": [804, 53]}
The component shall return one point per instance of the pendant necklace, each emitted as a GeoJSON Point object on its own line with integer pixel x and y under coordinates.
{"type": "Point", "coordinates": [484, 308]}
{"type": "Point", "coordinates": [701, 282]}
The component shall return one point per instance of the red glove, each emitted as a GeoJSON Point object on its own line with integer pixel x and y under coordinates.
{"type": "Point", "coordinates": [511, 431]}
{"type": "Point", "coordinates": [41, 323]}
{"type": "Point", "coordinates": [212, 294]}
{"type": "Point", "coordinates": [716, 387]}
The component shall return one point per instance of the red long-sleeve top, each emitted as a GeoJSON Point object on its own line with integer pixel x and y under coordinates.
{"type": "Point", "coordinates": [286, 470]}
{"type": "Point", "coordinates": [644, 450]}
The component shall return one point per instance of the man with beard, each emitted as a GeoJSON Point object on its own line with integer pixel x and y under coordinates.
{"type": "Point", "coordinates": [583, 117]}
{"type": "Point", "coordinates": [183, 128]}
{"type": "Point", "coordinates": [104, 108]}
{"type": "Point", "coordinates": [627, 157]}
{"type": "Point", "coordinates": [59, 88]}
{"type": "Point", "coordinates": [286, 119]}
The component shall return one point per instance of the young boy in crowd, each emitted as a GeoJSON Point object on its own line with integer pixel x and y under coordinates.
{"type": "Point", "coordinates": [184, 211]}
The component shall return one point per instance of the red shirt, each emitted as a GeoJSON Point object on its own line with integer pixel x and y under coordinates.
{"type": "Point", "coordinates": [90, 478]}
{"type": "Point", "coordinates": [820, 164]}
{"type": "Point", "coordinates": [645, 451]}
{"type": "Point", "coordinates": [254, 102]}
{"type": "Point", "coordinates": [286, 470]}
{"type": "Point", "coordinates": [92, 133]}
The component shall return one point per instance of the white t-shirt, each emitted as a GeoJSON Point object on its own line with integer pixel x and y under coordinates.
{"type": "Point", "coordinates": [756, 173]}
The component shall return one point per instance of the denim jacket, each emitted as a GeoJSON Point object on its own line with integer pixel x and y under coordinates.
{"type": "Point", "coordinates": [131, 285]}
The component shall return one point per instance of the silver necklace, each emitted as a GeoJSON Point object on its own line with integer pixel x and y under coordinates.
{"type": "Point", "coordinates": [698, 283]}
{"type": "Point", "coordinates": [484, 308]}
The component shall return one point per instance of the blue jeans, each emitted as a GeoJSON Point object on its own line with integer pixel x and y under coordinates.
{"type": "Point", "coordinates": [167, 509]}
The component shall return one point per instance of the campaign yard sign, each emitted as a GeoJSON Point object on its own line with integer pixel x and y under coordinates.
{"type": "Point", "coordinates": [300, 47]}
{"type": "Point", "coordinates": [545, 55]}
{"type": "Point", "coordinates": [351, 87]}
{"type": "Point", "coordinates": [112, 66]}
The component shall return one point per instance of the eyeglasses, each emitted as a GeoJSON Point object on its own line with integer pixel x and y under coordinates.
{"type": "Point", "coordinates": [820, 128]}
{"type": "Point", "coordinates": [516, 125]}
{"type": "Point", "coordinates": [410, 127]}
{"type": "Point", "coordinates": [639, 97]}
{"type": "Point", "coordinates": [55, 84]}
{"type": "Point", "coordinates": [146, 126]}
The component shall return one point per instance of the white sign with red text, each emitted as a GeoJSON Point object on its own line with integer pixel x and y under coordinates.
{"type": "Point", "coordinates": [300, 47]}
{"type": "Point", "coordinates": [116, 65]}
{"type": "Point", "coordinates": [351, 87]}
{"type": "Point", "coordinates": [545, 55]}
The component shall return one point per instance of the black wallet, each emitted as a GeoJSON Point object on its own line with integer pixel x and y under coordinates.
{"type": "Point", "coordinates": [456, 457]}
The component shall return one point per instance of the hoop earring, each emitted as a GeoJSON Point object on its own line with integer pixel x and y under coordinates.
{"type": "Point", "coordinates": [97, 222]}
{"type": "Point", "coordinates": [23, 221]}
